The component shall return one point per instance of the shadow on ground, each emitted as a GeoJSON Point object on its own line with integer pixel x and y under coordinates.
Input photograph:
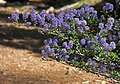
{"type": "Point", "coordinates": [19, 37]}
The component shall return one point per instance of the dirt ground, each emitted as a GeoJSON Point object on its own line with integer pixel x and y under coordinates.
{"type": "Point", "coordinates": [21, 62]}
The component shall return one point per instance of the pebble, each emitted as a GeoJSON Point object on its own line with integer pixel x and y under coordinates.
{"type": "Point", "coordinates": [2, 1]}
{"type": "Point", "coordinates": [71, 71]}
{"type": "Point", "coordinates": [85, 82]}
{"type": "Point", "coordinates": [4, 73]}
{"type": "Point", "coordinates": [103, 82]}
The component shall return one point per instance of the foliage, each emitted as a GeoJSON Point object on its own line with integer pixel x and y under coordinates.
{"type": "Point", "coordinates": [80, 37]}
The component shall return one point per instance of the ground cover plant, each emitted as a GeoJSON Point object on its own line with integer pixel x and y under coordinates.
{"type": "Point", "coordinates": [80, 37]}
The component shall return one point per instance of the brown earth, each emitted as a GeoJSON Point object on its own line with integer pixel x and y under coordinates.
{"type": "Point", "coordinates": [21, 62]}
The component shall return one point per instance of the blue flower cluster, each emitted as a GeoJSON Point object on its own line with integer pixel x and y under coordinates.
{"type": "Point", "coordinates": [79, 34]}
{"type": "Point", "coordinates": [54, 49]}
{"type": "Point", "coordinates": [108, 7]}
{"type": "Point", "coordinates": [14, 16]}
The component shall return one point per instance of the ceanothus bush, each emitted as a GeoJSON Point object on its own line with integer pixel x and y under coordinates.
{"type": "Point", "coordinates": [80, 36]}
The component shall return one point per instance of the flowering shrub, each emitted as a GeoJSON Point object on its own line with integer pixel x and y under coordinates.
{"type": "Point", "coordinates": [80, 37]}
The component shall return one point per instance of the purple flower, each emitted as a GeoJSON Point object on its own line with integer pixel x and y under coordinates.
{"type": "Point", "coordinates": [101, 25]}
{"type": "Point", "coordinates": [106, 46]}
{"type": "Point", "coordinates": [96, 38]}
{"type": "Point", "coordinates": [94, 14]}
{"type": "Point", "coordinates": [33, 15]}
{"type": "Point", "coordinates": [28, 24]}
{"type": "Point", "coordinates": [90, 44]}
{"type": "Point", "coordinates": [43, 13]}
{"type": "Point", "coordinates": [80, 29]}
{"type": "Point", "coordinates": [110, 20]}
{"type": "Point", "coordinates": [83, 41]}
{"type": "Point", "coordinates": [47, 48]}
{"type": "Point", "coordinates": [77, 21]}
{"type": "Point", "coordinates": [101, 65]}
{"type": "Point", "coordinates": [80, 12]}
{"type": "Point", "coordinates": [112, 45]}
{"type": "Point", "coordinates": [66, 25]}
{"type": "Point", "coordinates": [38, 16]}
{"type": "Point", "coordinates": [54, 22]}
{"type": "Point", "coordinates": [113, 65]}
{"type": "Point", "coordinates": [60, 57]}
{"type": "Point", "coordinates": [103, 40]}
{"type": "Point", "coordinates": [87, 28]}
{"type": "Point", "coordinates": [14, 16]}
{"type": "Point", "coordinates": [41, 20]}
{"type": "Point", "coordinates": [55, 43]}
{"type": "Point", "coordinates": [103, 69]}
{"type": "Point", "coordinates": [83, 22]}
{"type": "Point", "coordinates": [25, 15]}
{"type": "Point", "coordinates": [49, 40]}
{"type": "Point", "coordinates": [104, 30]}
{"type": "Point", "coordinates": [64, 44]}
{"type": "Point", "coordinates": [55, 39]}
{"type": "Point", "coordinates": [44, 53]}
{"type": "Point", "coordinates": [63, 51]}
{"type": "Point", "coordinates": [102, 17]}
{"type": "Point", "coordinates": [86, 7]}
{"type": "Point", "coordinates": [60, 22]}
{"type": "Point", "coordinates": [61, 15]}
{"type": "Point", "coordinates": [45, 42]}
{"type": "Point", "coordinates": [110, 38]}
{"type": "Point", "coordinates": [108, 7]}
{"type": "Point", "coordinates": [89, 60]}
{"type": "Point", "coordinates": [46, 26]}
{"type": "Point", "coordinates": [94, 63]}
{"type": "Point", "coordinates": [66, 57]}
{"type": "Point", "coordinates": [109, 26]}
{"type": "Point", "coordinates": [67, 16]}
{"type": "Point", "coordinates": [74, 11]}
{"type": "Point", "coordinates": [91, 9]}
{"type": "Point", "coordinates": [50, 16]}
{"type": "Point", "coordinates": [70, 43]}
{"type": "Point", "coordinates": [32, 11]}
{"type": "Point", "coordinates": [75, 58]}
{"type": "Point", "coordinates": [52, 52]}
{"type": "Point", "coordinates": [67, 47]}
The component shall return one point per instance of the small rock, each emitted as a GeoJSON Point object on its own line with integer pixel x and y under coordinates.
{"type": "Point", "coordinates": [71, 71]}
{"type": "Point", "coordinates": [24, 59]}
{"type": "Point", "coordinates": [2, 1]}
{"type": "Point", "coordinates": [103, 82]}
{"type": "Point", "coordinates": [50, 9]}
{"type": "Point", "coordinates": [85, 82]}
{"type": "Point", "coordinates": [4, 73]}
{"type": "Point", "coordinates": [98, 81]}
{"type": "Point", "coordinates": [19, 65]}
